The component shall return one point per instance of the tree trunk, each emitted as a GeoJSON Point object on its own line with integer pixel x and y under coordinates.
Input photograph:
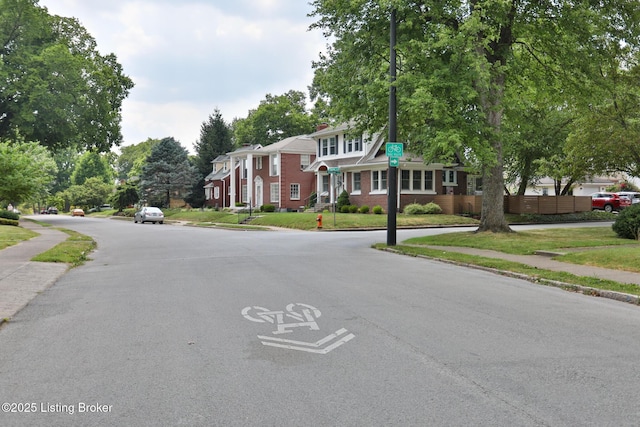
{"type": "Point", "coordinates": [492, 214]}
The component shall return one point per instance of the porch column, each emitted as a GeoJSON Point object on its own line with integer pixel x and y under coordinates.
{"type": "Point", "coordinates": [250, 180]}
{"type": "Point", "coordinates": [232, 183]}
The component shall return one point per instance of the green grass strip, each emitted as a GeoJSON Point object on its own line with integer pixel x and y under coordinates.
{"type": "Point", "coordinates": [73, 251]}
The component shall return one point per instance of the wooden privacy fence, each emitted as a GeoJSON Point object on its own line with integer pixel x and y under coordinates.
{"type": "Point", "coordinates": [544, 205]}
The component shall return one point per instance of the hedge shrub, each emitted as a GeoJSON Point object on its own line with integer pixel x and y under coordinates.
{"type": "Point", "coordinates": [268, 208]}
{"type": "Point", "coordinates": [413, 209]}
{"type": "Point", "coordinates": [353, 209]}
{"type": "Point", "coordinates": [627, 224]}
{"type": "Point", "coordinates": [377, 209]}
{"type": "Point", "coordinates": [432, 208]}
{"type": "Point", "coordinates": [9, 215]}
{"type": "Point", "coordinates": [364, 209]}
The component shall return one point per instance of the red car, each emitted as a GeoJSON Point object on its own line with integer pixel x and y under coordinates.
{"type": "Point", "coordinates": [609, 202]}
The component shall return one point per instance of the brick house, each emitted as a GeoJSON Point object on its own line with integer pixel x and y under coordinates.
{"type": "Point", "coordinates": [273, 174]}
{"type": "Point", "coordinates": [216, 184]}
{"type": "Point", "coordinates": [363, 168]}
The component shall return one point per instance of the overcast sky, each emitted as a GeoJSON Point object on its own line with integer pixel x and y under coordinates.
{"type": "Point", "coordinates": [189, 57]}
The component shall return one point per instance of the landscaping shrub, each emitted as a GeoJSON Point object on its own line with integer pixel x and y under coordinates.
{"type": "Point", "coordinates": [6, 221]}
{"type": "Point", "coordinates": [345, 209]}
{"type": "Point", "coordinates": [377, 209]}
{"type": "Point", "coordinates": [129, 213]}
{"type": "Point", "coordinates": [343, 200]}
{"type": "Point", "coordinates": [627, 224]}
{"type": "Point", "coordinates": [432, 208]}
{"type": "Point", "coordinates": [414, 209]}
{"type": "Point", "coordinates": [9, 215]}
{"type": "Point", "coordinates": [268, 208]}
{"type": "Point", "coordinates": [364, 209]}
{"type": "Point", "coordinates": [353, 209]}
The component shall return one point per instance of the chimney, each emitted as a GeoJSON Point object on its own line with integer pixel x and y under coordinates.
{"type": "Point", "coordinates": [322, 126]}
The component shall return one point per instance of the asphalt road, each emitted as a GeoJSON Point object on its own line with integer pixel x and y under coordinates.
{"type": "Point", "coordinates": [172, 325]}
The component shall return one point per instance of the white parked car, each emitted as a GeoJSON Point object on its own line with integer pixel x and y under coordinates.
{"type": "Point", "coordinates": [149, 214]}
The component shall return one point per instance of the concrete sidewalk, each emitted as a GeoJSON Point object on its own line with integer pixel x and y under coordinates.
{"type": "Point", "coordinates": [21, 280]}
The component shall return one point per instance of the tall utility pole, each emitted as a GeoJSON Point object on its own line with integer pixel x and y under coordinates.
{"type": "Point", "coordinates": [392, 173]}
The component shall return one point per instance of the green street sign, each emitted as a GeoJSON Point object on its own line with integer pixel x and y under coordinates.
{"type": "Point", "coordinates": [394, 149]}
{"type": "Point", "coordinates": [333, 170]}
{"type": "Point", "coordinates": [394, 162]}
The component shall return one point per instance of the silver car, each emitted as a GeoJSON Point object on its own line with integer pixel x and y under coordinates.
{"type": "Point", "coordinates": [148, 214]}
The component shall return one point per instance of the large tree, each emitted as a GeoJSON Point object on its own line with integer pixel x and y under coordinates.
{"type": "Point", "coordinates": [276, 118]}
{"type": "Point", "coordinates": [55, 87]}
{"type": "Point", "coordinates": [132, 157]}
{"type": "Point", "coordinates": [167, 173]}
{"type": "Point", "coordinates": [27, 170]}
{"type": "Point", "coordinates": [215, 140]}
{"type": "Point", "coordinates": [460, 63]}
{"type": "Point", "coordinates": [607, 133]}
{"type": "Point", "coordinates": [92, 165]}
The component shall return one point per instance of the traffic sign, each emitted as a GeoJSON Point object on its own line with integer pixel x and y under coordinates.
{"type": "Point", "coordinates": [333, 170]}
{"type": "Point", "coordinates": [394, 149]}
{"type": "Point", "coordinates": [394, 162]}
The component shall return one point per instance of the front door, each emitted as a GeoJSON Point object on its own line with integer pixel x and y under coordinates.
{"type": "Point", "coordinates": [258, 193]}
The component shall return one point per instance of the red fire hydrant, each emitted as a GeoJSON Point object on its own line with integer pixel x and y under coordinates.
{"type": "Point", "coordinates": [319, 220]}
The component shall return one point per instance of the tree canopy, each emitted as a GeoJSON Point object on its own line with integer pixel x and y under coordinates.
{"type": "Point", "coordinates": [461, 63]}
{"type": "Point", "coordinates": [215, 140]}
{"type": "Point", "coordinates": [27, 171]}
{"type": "Point", "coordinates": [56, 88]}
{"type": "Point", "coordinates": [276, 118]}
{"type": "Point", "coordinates": [167, 173]}
{"type": "Point", "coordinates": [92, 165]}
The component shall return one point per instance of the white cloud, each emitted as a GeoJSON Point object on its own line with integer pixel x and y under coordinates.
{"type": "Point", "coordinates": [189, 57]}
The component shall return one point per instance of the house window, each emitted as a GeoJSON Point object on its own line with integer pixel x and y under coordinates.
{"type": "Point", "coordinates": [243, 165]}
{"type": "Point", "coordinates": [414, 180]}
{"type": "Point", "coordinates": [325, 183]}
{"type": "Point", "coordinates": [356, 182]}
{"type": "Point", "coordinates": [379, 180]}
{"type": "Point", "coordinates": [449, 177]}
{"type": "Point", "coordinates": [405, 183]}
{"type": "Point", "coordinates": [294, 193]}
{"type": "Point", "coordinates": [243, 195]}
{"type": "Point", "coordinates": [305, 160]}
{"type": "Point", "coordinates": [225, 166]}
{"type": "Point", "coordinates": [324, 147]}
{"type": "Point", "coordinates": [352, 143]}
{"type": "Point", "coordinates": [258, 163]}
{"type": "Point", "coordinates": [428, 180]}
{"type": "Point", "coordinates": [216, 192]}
{"type": "Point", "coordinates": [274, 189]}
{"type": "Point", "coordinates": [417, 180]}
{"type": "Point", "coordinates": [333, 145]}
{"type": "Point", "coordinates": [273, 165]}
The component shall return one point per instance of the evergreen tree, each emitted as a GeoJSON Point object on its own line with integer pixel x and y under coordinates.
{"type": "Point", "coordinates": [167, 173]}
{"type": "Point", "coordinates": [215, 140]}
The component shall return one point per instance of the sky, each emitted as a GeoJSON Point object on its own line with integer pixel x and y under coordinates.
{"type": "Point", "coordinates": [188, 58]}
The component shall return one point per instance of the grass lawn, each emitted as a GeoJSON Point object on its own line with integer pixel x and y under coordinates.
{"type": "Point", "coordinates": [527, 242]}
{"type": "Point", "coordinates": [307, 220]}
{"type": "Point", "coordinates": [72, 251]}
{"type": "Point", "coordinates": [11, 235]}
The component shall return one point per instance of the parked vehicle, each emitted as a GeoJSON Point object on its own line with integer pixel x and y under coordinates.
{"type": "Point", "coordinates": [632, 195]}
{"type": "Point", "coordinates": [609, 202]}
{"type": "Point", "coordinates": [52, 210]}
{"type": "Point", "coordinates": [149, 214]}
{"type": "Point", "coordinates": [77, 212]}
